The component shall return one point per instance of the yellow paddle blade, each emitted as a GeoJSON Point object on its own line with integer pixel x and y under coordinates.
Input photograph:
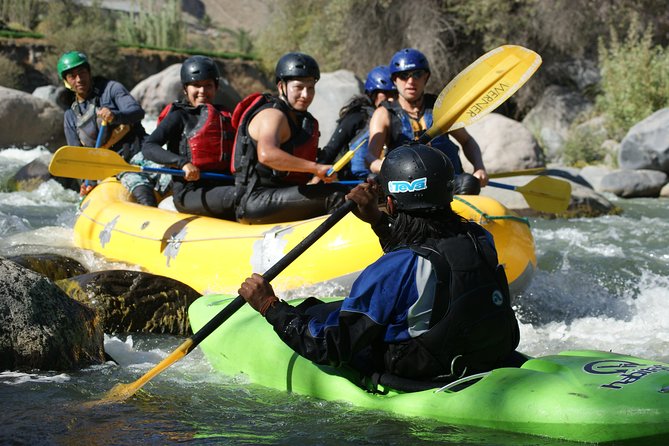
{"type": "Point", "coordinates": [88, 163]}
{"type": "Point", "coordinates": [482, 87]}
{"type": "Point", "coordinates": [547, 194]}
{"type": "Point", "coordinates": [121, 392]}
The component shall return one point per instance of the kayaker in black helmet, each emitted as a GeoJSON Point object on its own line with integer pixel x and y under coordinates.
{"type": "Point", "coordinates": [435, 307]}
{"type": "Point", "coordinates": [276, 148]}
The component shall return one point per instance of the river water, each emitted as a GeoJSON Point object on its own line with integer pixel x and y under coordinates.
{"type": "Point", "coordinates": [601, 284]}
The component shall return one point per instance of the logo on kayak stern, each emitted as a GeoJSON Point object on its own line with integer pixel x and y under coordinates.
{"type": "Point", "coordinates": [628, 372]}
{"type": "Point", "coordinates": [395, 187]}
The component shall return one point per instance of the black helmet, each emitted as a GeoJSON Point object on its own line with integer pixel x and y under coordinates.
{"type": "Point", "coordinates": [199, 68]}
{"type": "Point", "coordinates": [418, 177]}
{"type": "Point", "coordinates": [296, 65]}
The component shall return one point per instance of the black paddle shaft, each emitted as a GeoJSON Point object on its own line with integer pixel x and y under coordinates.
{"type": "Point", "coordinates": [274, 271]}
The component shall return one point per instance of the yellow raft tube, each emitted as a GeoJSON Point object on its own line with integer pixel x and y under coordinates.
{"type": "Point", "coordinates": [214, 256]}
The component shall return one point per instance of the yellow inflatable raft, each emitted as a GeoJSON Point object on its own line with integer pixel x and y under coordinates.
{"type": "Point", "coordinates": [214, 256]}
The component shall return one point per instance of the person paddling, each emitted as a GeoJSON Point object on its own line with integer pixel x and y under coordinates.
{"type": "Point", "coordinates": [99, 100]}
{"type": "Point", "coordinates": [410, 116]}
{"type": "Point", "coordinates": [352, 132]}
{"type": "Point", "coordinates": [276, 147]}
{"type": "Point", "coordinates": [199, 137]}
{"type": "Point", "coordinates": [435, 307]}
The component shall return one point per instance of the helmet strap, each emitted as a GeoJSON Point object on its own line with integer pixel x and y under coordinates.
{"type": "Point", "coordinates": [284, 95]}
{"type": "Point", "coordinates": [391, 206]}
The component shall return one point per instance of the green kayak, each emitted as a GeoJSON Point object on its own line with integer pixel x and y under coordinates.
{"type": "Point", "coordinates": [588, 396]}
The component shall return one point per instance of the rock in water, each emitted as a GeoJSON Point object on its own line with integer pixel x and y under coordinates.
{"type": "Point", "coordinates": [41, 327]}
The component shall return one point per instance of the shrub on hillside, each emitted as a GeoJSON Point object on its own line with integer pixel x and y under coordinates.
{"type": "Point", "coordinates": [10, 73]}
{"type": "Point", "coordinates": [156, 25]}
{"type": "Point", "coordinates": [20, 13]}
{"type": "Point", "coordinates": [69, 27]}
{"type": "Point", "coordinates": [635, 78]}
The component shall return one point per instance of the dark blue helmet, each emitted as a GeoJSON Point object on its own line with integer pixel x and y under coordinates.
{"type": "Point", "coordinates": [379, 79]}
{"type": "Point", "coordinates": [408, 59]}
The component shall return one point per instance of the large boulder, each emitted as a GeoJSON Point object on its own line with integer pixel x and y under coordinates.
{"type": "Point", "coordinates": [160, 89]}
{"type": "Point", "coordinates": [646, 145]}
{"type": "Point", "coordinates": [41, 327]}
{"type": "Point", "coordinates": [506, 145]}
{"type": "Point", "coordinates": [634, 183]}
{"type": "Point", "coordinates": [552, 117]}
{"type": "Point", "coordinates": [134, 301]}
{"type": "Point", "coordinates": [26, 120]}
{"type": "Point", "coordinates": [59, 95]}
{"type": "Point", "coordinates": [31, 175]}
{"type": "Point", "coordinates": [333, 91]}
{"type": "Point", "coordinates": [53, 266]}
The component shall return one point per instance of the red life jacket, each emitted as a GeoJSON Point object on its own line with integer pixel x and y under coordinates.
{"type": "Point", "coordinates": [303, 142]}
{"type": "Point", "coordinates": [209, 139]}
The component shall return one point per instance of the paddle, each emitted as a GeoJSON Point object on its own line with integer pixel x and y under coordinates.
{"type": "Point", "coordinates": [544, 194]}
{"type": "Point", "coordinates": [476, 91]}
{"type": "Point", "coordinates": [515, 173]}
{"type": "Point", "coordinates": [98, 143]}
{"type": "Point", "coordinates": [121, 392]}
{"type": "Point", "coordinates": [77, 162]}
{"type": "Point", "coordinates": [481, 87]}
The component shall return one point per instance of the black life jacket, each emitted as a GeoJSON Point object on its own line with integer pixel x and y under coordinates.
{"type": "Point", "coordinates": [472, 327]}
{"type": "Point", "coordinates": [303, 143]}
{"type": "Point", "coordinates": [207, 140]}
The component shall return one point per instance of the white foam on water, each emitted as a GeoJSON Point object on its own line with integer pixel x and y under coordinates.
{"type": "Point", "coordinates": [17, 378]}
{"type": "Point", "coordinates": [643, 332]}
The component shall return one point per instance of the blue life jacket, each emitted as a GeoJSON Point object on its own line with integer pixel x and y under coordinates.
{"type": "Point", "coordinates": [402, 132]}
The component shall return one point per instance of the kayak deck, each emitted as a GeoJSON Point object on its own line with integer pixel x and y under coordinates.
{"type": "Point", "coordinates": [586, 396]}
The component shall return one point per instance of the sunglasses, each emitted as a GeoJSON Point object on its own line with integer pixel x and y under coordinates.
{"type": "Point", "coordinates": [416, 74]}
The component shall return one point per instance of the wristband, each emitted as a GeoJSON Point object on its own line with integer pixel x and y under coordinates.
{"type": "Point", "coordinates": [269, 302]}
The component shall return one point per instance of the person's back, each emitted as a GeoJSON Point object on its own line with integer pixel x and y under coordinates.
{"type": "Point", "coordinates": [352, 132]}
{"type": "Point", "coordinates": [435, 307]}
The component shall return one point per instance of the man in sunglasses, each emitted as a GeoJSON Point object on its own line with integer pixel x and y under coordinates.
{"type": "Point", "coordinates": [407, 118]}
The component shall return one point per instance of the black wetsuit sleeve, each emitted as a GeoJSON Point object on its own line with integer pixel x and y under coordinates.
{"type": "Point", "coordinates": [336, 344]}
{"type": "Point", "coordinates": [168, 133]}
{"type": "Point", "coordinates": [347, 128]}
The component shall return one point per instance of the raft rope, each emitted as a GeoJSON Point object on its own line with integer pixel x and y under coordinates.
{"type": "Point", "coordinates": [492, 217]}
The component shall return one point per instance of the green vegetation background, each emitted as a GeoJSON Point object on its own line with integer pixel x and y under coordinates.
{"type": "Point", "coordinates": [627, 39]}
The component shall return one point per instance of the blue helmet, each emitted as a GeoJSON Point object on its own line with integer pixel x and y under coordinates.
{"type": "Point", "coordinates": [408, 59]}
{"type": "Point", "coordinates": [379, 79]}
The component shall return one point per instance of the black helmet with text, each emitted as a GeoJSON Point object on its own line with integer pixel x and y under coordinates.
{"type": "Point", "coordinates": [418, 178]}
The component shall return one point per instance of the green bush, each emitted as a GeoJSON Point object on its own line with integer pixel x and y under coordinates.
{"type": "Point", "coordinates": [584, 146]}
{"type": "Point", "coordinates": [24, 13]}
{"type": "Point", "coordinates": [635, 78]}
{"type": "Point", "coordinates": [10, 73]}
{"type": "Point", "coordinates": [157, 24]}
{"type": "Point", "coordinates": [70, 27]}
